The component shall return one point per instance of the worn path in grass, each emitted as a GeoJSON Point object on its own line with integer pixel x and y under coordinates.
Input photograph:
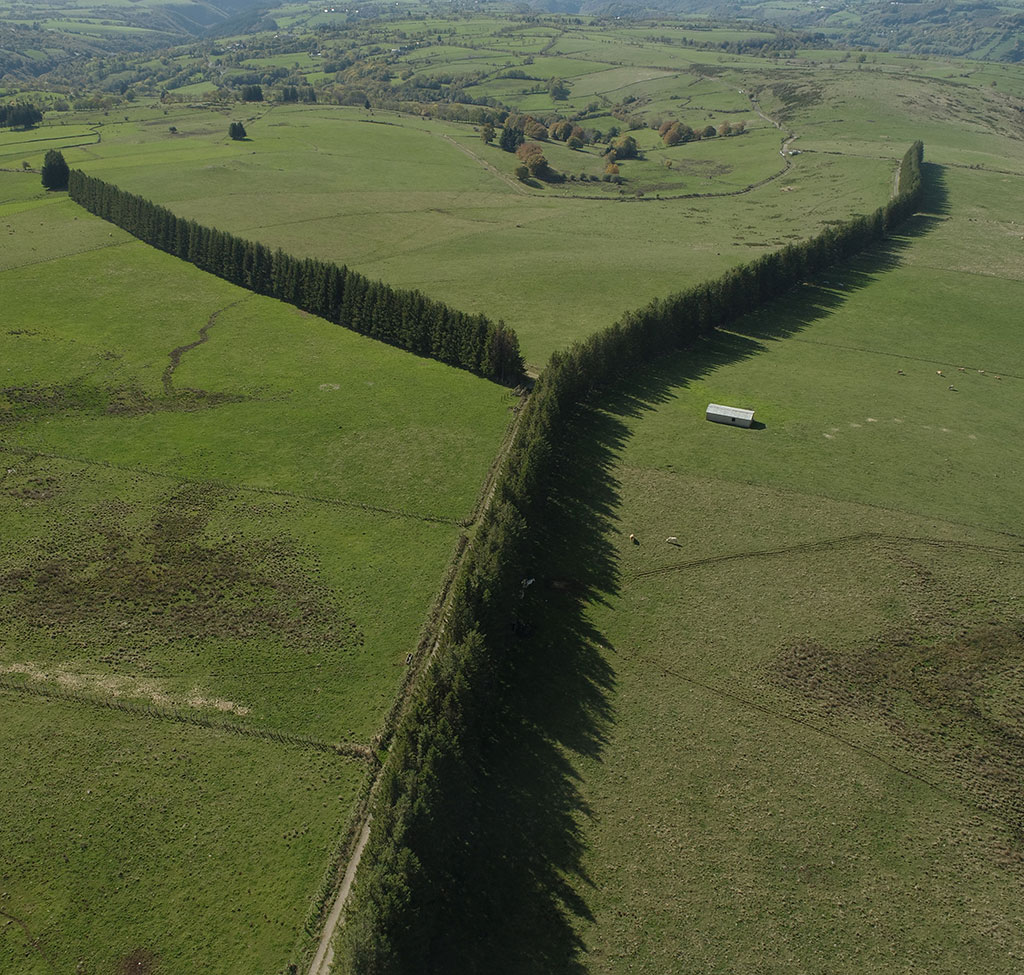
{"type": "Point", "coordinates": [429, 644]}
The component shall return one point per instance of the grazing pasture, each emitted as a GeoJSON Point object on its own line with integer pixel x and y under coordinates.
{"type": "Point", "coordinates": [423, 205]}
{"type": "Point", "coordinates": [223, 523]}
{"type": "Point", "coordinates": [817, 687]}
{"type": "Point", "coordinates": [221, 519]}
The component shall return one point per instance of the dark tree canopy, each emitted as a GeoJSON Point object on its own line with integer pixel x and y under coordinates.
{"type": "Point", "coordinates": [55, 171]}
{"type": "Point", "coordinates": [236, 130]}
{"type": "Point", "coordinates": [406, 319]}
{"type": "Point", "coordinates": [20, 116]}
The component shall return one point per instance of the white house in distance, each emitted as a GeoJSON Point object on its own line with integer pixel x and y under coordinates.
{"type": "Point", "coordinates": [732, 415]}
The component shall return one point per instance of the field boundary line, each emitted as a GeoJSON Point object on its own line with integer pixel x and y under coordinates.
{"type": "Point", "coordinates": [961, 270]}
{"type": "Point", "coordinates": [361, 752]}
{"type": "Point", "coordinates": [824, 545]}
{"type": "Point", "coordinates": [660, 197]}
{"type": "Point", "coordinates": [488, 167]}
{"type": "Point", "coordinates": [62, 257]}
{"type": "Point", "coordinates": [30, 453]}
{"type": "Point", "coordinates": [880, 352]}
{"type": "Point", "coordinates": [835, 736]}
{"type": "Point", "coordinates": [419, 661]}
{"type": "Point", "coordinates": [988, 529]}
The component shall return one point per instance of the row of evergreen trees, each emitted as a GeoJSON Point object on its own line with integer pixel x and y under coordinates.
{"type": "Point", "coordinates": [419, 862]}
{"type": "Point", "coordinates": [406, 319]}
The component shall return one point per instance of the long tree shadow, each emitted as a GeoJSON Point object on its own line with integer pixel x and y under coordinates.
{"type": "Point", "coordinates": [817, 298]}
{"type": "Point", "coordinates": [519, 903]}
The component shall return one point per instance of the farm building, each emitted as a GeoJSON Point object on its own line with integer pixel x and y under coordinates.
{"type": "Point", "coordinates": [729, 414]}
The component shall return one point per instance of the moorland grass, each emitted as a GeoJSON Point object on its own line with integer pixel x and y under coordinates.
{"type": "Point", "coordinates": [400, 202]}
{"type": "Point", "coordinates": [236, 542]}
{"type": "Point", "coordinates": [130, 840]}
{"type": "Point", "coordinates": [810, 762]}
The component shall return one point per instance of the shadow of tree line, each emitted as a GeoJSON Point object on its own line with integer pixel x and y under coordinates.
{"type": "Point", "coordinates": [518, 907]}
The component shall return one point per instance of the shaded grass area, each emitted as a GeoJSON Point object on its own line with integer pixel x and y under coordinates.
{"type": "Point", "coordinates": [513, 878]}
{"type": "Point", "coordinates": [781, 789]}
{"type": "Point", "coordinates": [707, 812]}
{"type": "Point", "coordinates": [852, 379]}
{"type": "Point", "coordinates": [125, 842]}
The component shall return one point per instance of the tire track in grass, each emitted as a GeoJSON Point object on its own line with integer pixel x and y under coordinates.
{"type": "Point", "coordinates": [33, 941]}
{"type": "Point", "coordinates": [824, 545]}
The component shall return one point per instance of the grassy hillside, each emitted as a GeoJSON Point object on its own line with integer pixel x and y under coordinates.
{"type": "Point", "coordinates": [786, 742]}
{"type": "Point", "coordinates": [817, 688]}
{"type": "Point", "coordinates": [224, 523]}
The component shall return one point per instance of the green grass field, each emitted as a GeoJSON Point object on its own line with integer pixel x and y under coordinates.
{"type": "Point", "coordinates": [133, 841]}
{"type": "Point", "coordinates": [815, 743]}
{"type": "Point", "coordinates": [228, 520]}
{"type": "Point", "coordinates": [223, 523]}
{"type": "Point", "coordinates": [419, 204]}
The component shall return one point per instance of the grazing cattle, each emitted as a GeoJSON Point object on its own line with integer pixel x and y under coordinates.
{"type": "Point", "coordinates": [634, 539]}
{"type": "Point", "coordinates": [672, 540]}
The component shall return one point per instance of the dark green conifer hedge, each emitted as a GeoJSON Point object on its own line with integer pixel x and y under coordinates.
{"type": "Point", "coordinates": [417, 864]}
{"type": "Point", "coordinates": [406, 319]}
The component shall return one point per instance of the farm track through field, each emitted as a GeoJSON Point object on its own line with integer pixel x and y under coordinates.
{"type": "Point", "coordinates": [360, 752]}
{"type": "Point", "coordinates": [233, 486]}
{"type": "Point", "coordinates": [510, 180]}
{"type": "Point", "coordinates": [825, 545]}
{"type": "Point", "coordinates": [429, 642]}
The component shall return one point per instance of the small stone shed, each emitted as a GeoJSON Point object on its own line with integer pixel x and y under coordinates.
{"type": "Point", "coordinates": [732, 415]}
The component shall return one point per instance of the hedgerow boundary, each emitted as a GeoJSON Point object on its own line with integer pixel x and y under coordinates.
{"type": "Point", "coordinates": [406, 319]}
{"type": "Point", "coordinates": [414, 868]}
